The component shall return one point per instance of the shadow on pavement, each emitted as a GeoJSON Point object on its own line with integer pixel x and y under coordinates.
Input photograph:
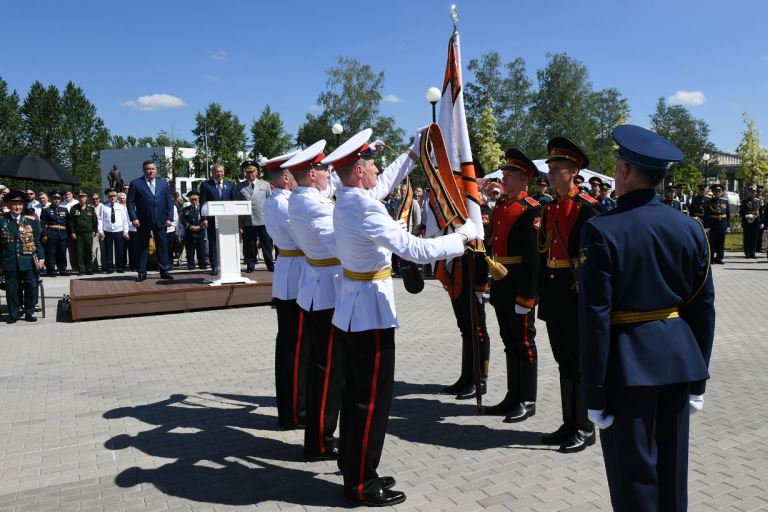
{"type": "Point", "coordinates": [214, 460]}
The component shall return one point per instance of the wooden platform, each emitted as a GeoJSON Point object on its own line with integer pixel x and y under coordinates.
{"type": "Point", "coordinates": [119, 295]}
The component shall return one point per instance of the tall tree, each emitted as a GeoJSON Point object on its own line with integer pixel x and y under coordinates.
{"type": "Point", "coordinates": [511, 94]}
{"type": "Point", "coordinates": [225, 138]}
{"type": "Point", "coordinates": [41, 116]}
{"type": "Point", "coordinates": [352, 97]}
{"type": "Point", "coordinates": [609, 110]}
{"type": "Point", "coordinates": [268, 135]}
{"type": "Point", "coordinates": [11, 140]}
{"type": "Point", "coordinates": [82, 136]}
{"type": "Point", "coordinates": [489, 151]}
{"type": "Point", "coordinates": [691, 135]}
{"type": "Point", "coordinates": [754, 157]}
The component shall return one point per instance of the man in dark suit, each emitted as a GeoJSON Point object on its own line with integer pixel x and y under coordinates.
{"type": "Point", "coordinates": [150, 209]}
{"type": "Point", "coordinates": [215, 189]}
{"type": "Point", "coordinates": [646, 319]}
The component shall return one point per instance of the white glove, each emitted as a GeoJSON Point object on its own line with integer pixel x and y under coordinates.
{"type": "Point", "coordinates": [521, 310]}
{"type": "Point", "coordinates": [600, 419]}
{"type": "Point", "coordinates": [402, 224]}
{"type": "Point", "coordinates": [469, 230]}
{"type": "Point", "coordinates": [695, 403]}
{"type": "Point", "coordinates": [378, 144]}
{"type": "Point", "coordinates": [416, 146]}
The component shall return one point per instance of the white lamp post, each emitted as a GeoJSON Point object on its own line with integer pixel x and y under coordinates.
{"type": "Point", "coordinates": [337, 130]}
{"type": "Point", "coordinates": [433, 96]}
{"type": "Point", "coordinates": [706, 157]}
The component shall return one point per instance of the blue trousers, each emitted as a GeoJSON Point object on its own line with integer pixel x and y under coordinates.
{"type": "Point", "coordinates": [142, 248]}
{"type": "Point", "coordinates": [113, 243]}
{"type": "Point", "coordinates": [213, 244]}
{"type": "Point", "coordinates": [646, 448]}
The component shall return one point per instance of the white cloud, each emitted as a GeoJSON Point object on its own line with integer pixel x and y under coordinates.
{"type": "Point", "coordinates": [211, 78]}
{"type": "Point", "coordinates": [219, 55]}
{"type": "Point", "coordinates": [391, 98]}
{"type": "Point", "coordinates": [689, 98]}
{"type": "Point", "coordinates": [152, 102]}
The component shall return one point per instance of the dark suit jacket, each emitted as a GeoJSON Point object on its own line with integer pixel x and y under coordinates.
{"type": "Point", "coordinates": [209, 192]}
{"type": "Point", "coordinates": [151, 210]}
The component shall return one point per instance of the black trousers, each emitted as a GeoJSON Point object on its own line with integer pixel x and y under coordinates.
{"type": "Point", "coordinates": [646, 448]}
{"type": "Point", "coordinates": [717, 240]}
{"type": "Point", "coordinates": [518, 333]}
{"type": "Point", "coordinates": [563, 336]}
{"type": "Point", "coordinates": [171, 247]}
{"type": "Point", "coordinates": [252, 235]}
{"type": "Point", "coordinates": [291, 364]}
{"type": "Point", "coordinates": [368, 380]}
{"type": "Point", "coordinates": [464, 322]}
{"type": "Point", "coordinates": [213, 244]}
{"type": "Point", "coordinates": [56, 255]}
{"type": "Point", "coordinates": [195, 246]}
{"type": "Point", "coordinates": [326, 377]}
{"type": "Point", "coordinates": [16, 282]}
{"type": "Point", "coordinates": [751, 231]}
{"type": "Point", "coordinates": [113, 245]}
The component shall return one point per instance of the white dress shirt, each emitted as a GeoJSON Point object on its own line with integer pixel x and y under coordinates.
{"type": "Point", "coordinates": [288, 269]}
{"type": "Point", "coordinates": [104, 218]}
{"type": "Point", "coordinates": [174, 222]}
{"type": "Point", "coordinates": [366, 237]}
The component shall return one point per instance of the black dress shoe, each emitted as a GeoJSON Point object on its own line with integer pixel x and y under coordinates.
{"type": "Point", "coordinates": [248, 270]}
{"type": "Point", "coordinates": [559, 436]}
{"type": "Point", "coordinates": [454, 388]}
{"type": "Point", "coordinates": [108, 271]}
{"type": "Point", "coordinates": [30, 318]}
{"type": "Point", "coordinates": [120, 271]}
{"type": "Point", "coordinates": [89, 273]}
{"type": "Point", "coordinates": [141, 277]}
{"type": "Point", "coordinates": [520, 412]}
{"type": "Point", "coordinates": [578, 441]}
{"type": "Point", "coordinates": [382, 498]}
{"type": "Point", "coordinates": [169, 277]}
{"type": "Point", "coordinates": [468, 393]}
{"type": "Point", "coordinates": [11, 320]}
{"type": "Point", "coordinates": [331, 454]}
{"type": "Point", "coordinates": [387, 482]}
{"type": "Point", "coordinates": [501, 409]}
{"type": "Point", "coordinates": [214, 271]}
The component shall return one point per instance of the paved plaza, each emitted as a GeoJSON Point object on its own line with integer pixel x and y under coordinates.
{"type": "Point", "coordinates": [177, 412]}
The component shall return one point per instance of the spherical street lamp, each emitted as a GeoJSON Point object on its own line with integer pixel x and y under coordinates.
{"type": "Point", "coordinates": [433, 96]}
{"type": "Point", "coordinates": [337, 130]}
{"type": "Point", "coordinates": [706, 157]}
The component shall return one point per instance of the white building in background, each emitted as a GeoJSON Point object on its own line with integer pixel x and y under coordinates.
{"type": "Point", "coordinates": [129, 161]}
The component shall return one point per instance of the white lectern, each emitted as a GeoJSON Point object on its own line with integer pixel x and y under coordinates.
{"type": "Point", "coordinates": [228, 238]}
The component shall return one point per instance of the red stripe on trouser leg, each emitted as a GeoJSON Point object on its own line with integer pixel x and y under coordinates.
{"type": "Point", "coordinates": [369, 418]}
{"type": "Point", "coordinates": [525, 339]}
{"type": "Point", "coordinates": [321, 432]}
{"type": "Point", "coordinates": [296, 369]}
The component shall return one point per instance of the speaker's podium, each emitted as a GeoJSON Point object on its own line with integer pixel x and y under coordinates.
{"type": "Point", "coordinates": [228, 238]}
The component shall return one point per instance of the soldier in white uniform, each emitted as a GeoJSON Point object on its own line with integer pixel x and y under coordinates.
{"type": "Point", "coordinates": [365, 318]}
{"type": "Point", "coordinates": [291, 348]}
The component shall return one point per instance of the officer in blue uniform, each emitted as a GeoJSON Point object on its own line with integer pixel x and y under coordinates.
{"type": "Point", "coordinates": [716, 219]}
{"type": "Point", "coordinates": [194, 231]}
{"type": "Point", "coordinates": [53, 220]}
{"type": "Point", "coordinates": [21, 255]}
{"type": "Point", "coordinates": [646, 318]}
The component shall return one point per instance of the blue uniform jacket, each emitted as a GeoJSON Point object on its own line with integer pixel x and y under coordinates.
{"type": "Point", "coordinates": [642, 256]}
{"type": "Point", "coordinates": [54, 222]}
{"type": "Point", "coordinates": [151, 210]}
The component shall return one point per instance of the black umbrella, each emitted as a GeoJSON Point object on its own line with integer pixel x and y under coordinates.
{"type": "Point", "coordinates": [35, 168]}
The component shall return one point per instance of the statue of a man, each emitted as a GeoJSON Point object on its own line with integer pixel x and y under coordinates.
{"type": "Point", "coordinates": [115, 178]}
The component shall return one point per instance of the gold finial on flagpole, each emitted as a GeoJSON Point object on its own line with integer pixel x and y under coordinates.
{"type": "Point", "coordinates": [455, 17]}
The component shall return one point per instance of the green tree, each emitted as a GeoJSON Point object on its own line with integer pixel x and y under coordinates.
{"type": "Point", "coordinates": [754, 157]}
{"type": "Point", "coordinates": [352, 97]}
{"type": "Point", "coordinates": [41, 116]}
{"type": "Point", "coordinates": [489, 151]}
{"type": "Point", "coordinates": [82, 136]}
{"type": "Point", "coordinates": [268, 135]}
{"type": "Point", "coordinates": [11, 140]}
{"type": "Point", "coordinates": [691, 135]}
{"type": "Point", "coordinates": [609, 110]}
{"type": "Point", "coordinates": [510, 96]}
{"type": "Point", "coordinates": [225, 138]}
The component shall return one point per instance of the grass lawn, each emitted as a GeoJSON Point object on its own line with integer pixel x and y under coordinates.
{"type": "Point", "coordinates": [734, 242]}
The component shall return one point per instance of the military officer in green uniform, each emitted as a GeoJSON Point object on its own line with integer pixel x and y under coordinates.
{"type": "Point", "coordinates": [82, 226]}
{"type": "Point", "coordinates": [21, 256]}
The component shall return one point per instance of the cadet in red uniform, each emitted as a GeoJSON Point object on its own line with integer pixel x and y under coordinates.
{"type": "Point", "coordinates": [558, 241]}
{"type": "Point", "coordinates": [515, 222]}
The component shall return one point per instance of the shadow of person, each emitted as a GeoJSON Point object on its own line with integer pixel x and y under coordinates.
{"type": "Point", "coordinates": [409, 388]}
{"type": "Point", "coordinates": [215, 458]}
{"type": "Point", "coordinates": [421, 420]}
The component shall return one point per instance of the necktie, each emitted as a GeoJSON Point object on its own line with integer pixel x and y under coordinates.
{"type": "Point", "coordinates": [112, 215]}
{"type": "Point", "coordinates": [152, 186]}
{"type": "Point", "coordinates": [253, 187]}
{"type": "Point", "coordinates": [221, 193]}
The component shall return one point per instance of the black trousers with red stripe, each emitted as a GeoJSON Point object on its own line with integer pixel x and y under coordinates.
{"type": "Point", "coordinates": [519, 336]}
{"type": "Point", "coordinates": [291, 364]}
{"type": "Point", "coordinates": [461, 311]}
{"type": "Point", "coordinates": [367, 396]}
{"type": "Point", "coordinates": [326, 377]}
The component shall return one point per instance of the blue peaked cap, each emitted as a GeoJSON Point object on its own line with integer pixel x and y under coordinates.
{"type": "Point", "coordinates": [645, 148]}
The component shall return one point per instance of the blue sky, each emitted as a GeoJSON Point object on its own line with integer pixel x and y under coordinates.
{"type": "Point", "coordinates": [246, 54]}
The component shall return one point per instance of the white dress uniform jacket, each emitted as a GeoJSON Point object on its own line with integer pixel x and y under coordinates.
{"type": "Point", "coordinates": [288, 270]}
{"type": "Point", "coordinates": [366, 237]}
{"type": "Point", "coordinates": [311, 219]}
